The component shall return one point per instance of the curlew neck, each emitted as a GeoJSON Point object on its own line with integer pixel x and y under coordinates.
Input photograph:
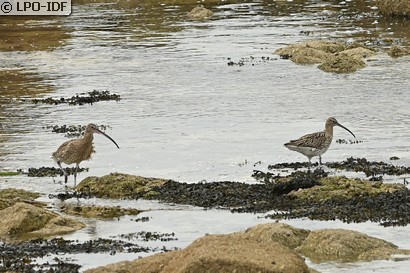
{"type": "Point", "coordinates": [329, 129]}
{"type": "Point", "coordinates": [88, 137]}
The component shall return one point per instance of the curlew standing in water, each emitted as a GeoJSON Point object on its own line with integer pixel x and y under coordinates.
{"type": "Point", "coordinates": [316, 144]}
{"type": "Point", "coordinates": [77, 150]}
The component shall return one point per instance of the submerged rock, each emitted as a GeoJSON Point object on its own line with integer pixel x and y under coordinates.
{"type": "Point", "coordinates": [200, 13]}
{"type": "Point", "coordinates": [398, 51]}
{"type": "Point", "coordinates": [23, 220]}
{"type": "Point", "coordinates": [342, 64]}
{"type": "Point", "coordinates": [101, 212]}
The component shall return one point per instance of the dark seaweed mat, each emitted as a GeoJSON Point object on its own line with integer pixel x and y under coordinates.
{"type": "Point", "coordinates": [18, 256]}
{"type": "Point", "coordinates": [388, 209]}
{"type": "Point", "coordinates": [52, 171]}
{"type": "Point", "coordinates": [373, 169]}
{"type": "Point", "coordinates": [71, 130]}
{"type": "Point", "coordinates": [369, 168]}
{"type": "Point", "coordinates": [80, 99]}
{"type": "Point", "coordinates": [309, 178]}
{"type": "Point", "coordinates": [249, 60]}
{"type": "Point", "coordinates": [69, 194]}
{"type": "Point", "coordinates": [149, 236]}
{"type": "Point", "coordinates": [239, 197]}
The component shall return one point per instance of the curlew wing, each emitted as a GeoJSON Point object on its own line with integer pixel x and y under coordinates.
{"type": "Point", "coordinates": [314, 140]}
{"type": "Point", "coordinates": [67, 152]}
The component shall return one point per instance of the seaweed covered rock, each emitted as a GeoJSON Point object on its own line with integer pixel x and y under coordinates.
{"type": "Point", "coordinates": [276, 232]}
{"type": "Point", "coordinates": [219, 253]}
{"type": "Point", "coordinates": [346, 246]}
{"type": "Point", "coordinates": [342, 64]}
{"type": "Point", "coordinates": [341, 187]}
{"type": "Point", "coordinates": [9, 197]}
{"type": "Point", "coordinates": [24, 220]}
{"type": "Point", "coordinates": [398, 51]}
{"type": "Point", "coordinates": [117, 185]}
{"type": "Point", "coordinates": [200, 13]}
{"type": "Point", "coordinates": [332, 56]}
{"type": "Point", "coordinates": [310, 52]}
{"type": "Point", "coordinates": [350, 200]}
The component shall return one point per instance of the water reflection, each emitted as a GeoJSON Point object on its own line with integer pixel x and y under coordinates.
{"type": "Point", "coordinates": [31, 33]}
{"type": "Point", "coordinates": [19, 82]}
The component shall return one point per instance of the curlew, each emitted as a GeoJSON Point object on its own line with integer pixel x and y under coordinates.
{"type": "Point", "coordinates": [316, 144]}
{"type": "Point", "coordinates": [77, 150]}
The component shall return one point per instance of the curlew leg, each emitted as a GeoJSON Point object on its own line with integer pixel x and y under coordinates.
{"type": "Point", "coordinates": [75, 174]}
{"type": "Point", "coordinates": [64, 172]}
{"type": "Point", "coordinates": [310, 163]}
{"type": "Point", "coordinates": [320, 160]}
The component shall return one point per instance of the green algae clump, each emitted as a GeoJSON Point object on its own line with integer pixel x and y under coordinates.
{"type": "Point", "coordinates": [118, 185]}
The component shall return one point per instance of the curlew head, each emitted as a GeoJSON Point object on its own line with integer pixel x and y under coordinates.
{"type": "Point", "coordinates": [92, 128]}
{"type": "Point", "coordinates": [331, 122]}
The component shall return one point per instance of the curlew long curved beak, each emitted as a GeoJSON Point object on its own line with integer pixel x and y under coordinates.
{"type": "Point", "coordinates": [107, 136]}
{"type": "Point", "coordinates": [340, 125]}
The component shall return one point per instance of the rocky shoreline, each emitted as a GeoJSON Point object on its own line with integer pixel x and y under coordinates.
{"type": "Point", "coordinates": [299, 194]}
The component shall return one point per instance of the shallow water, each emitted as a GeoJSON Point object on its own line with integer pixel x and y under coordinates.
{"type": "Point", "coordinates": [186, 115]}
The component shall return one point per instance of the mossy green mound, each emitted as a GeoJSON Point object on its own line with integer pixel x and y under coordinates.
{"type": "Point", "coordinates": [118, 185]}
{"type": "Point", "coordinates": [398, 51]}
{"type": "Point", "coordinates": [340, 187]}
{"type": "Point", "coordinates": [25, 221]}
{"type": "Point", "coordinates": [9, 197]}
{"type": "Point", "coordinates": [332, 56]}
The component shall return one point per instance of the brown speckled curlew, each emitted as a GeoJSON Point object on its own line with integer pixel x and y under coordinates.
{"type": "Point", "coordinates": [77, 150]}
{"type": "Point", "coordinates": [316, 144]}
